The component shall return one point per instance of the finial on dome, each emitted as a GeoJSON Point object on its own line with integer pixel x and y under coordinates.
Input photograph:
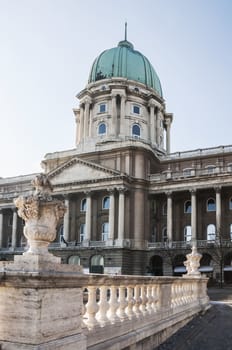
{"type": "Point", "coordinates": [126, 31]}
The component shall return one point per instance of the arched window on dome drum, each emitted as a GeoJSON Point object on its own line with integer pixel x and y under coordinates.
{"type": "Point", "coordinates": [136, 130]}
{"type": "Point", "coordinates": [102, 129]}
{"type": "Point", "coordinates": [211, 232]}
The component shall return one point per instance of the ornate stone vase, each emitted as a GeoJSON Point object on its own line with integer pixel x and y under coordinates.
{"type": "Point", "coordinates": [193, 263]}
{"type": "Point", "coordinates": [41, 213]}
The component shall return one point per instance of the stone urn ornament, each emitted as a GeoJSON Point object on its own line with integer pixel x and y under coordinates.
{"type": "Point", "coordinates": [192, 263]}
{"type": "Point", "coordinates": [41, 213]}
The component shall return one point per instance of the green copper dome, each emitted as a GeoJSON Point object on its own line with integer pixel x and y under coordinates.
{"type": "Point", "coordinates": [123, 61]}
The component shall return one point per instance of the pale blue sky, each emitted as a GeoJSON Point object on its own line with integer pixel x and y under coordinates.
{"type": "Point", "coordinates": [48, 46]}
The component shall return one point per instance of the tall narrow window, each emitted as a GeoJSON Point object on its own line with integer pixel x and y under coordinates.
{"type": "Point", "coordinates": [231, 232]}
{"type": "Point", "coordinates": [153, 235]}
{"type": "Point", "coordinates": [106, 203]}
{"type": "Point", "coordinates": [83, 204]}
{"type": "Point", "coordinates": [82, 232]}
{"type": "Point", "coordinates": [102, 108]}
{"type": "Point", "coordinates": [211, 232]}
{"type": "Point", "coordinates": [211, 205]}
{"type": "Point", "coordinates": [136, 109]}
{"type": "Point", "coordinates": [230, 203]}
{"type": "Point", "coordinates": [164, 234]}
{"type": "Point", "coordinates": [136, 130]}
{"type": "Point", "coordinates": [164, 209]}
{"type": "Point", "coordinates": [105, 231]}
{"type": "Point", "coordinates": [187, 233]}
{"type": "Point", "coordinates": [102, 129]}
{"type": "Point", "coordinates": [187, 207]}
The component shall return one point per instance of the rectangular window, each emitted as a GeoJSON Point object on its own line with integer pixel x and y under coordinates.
{"type": "Point", "coordinates": [136, 109]}
{"type": "Point", "coordinates": [102, 108]}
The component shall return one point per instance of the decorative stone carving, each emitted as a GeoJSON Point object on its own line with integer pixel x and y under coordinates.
{"type": "Point", "coordinates": [41, 213]}
{"type": "Point", "coordinates": [193, 263]}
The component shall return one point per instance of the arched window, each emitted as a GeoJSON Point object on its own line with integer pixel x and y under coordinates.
{"type": "Point", "coordinates": [105, 231]}
{"type": "Point", "coordinates": [136, 130]}
{"type": "Point", "coordinates": [83, 204]}
{"type": "Point", "coordinates": [102, 129]}
{"type": "Point", "coordinates": [74, 260]}
{"type": "Point", "coordinates": [211, 205]}
{"type": "Point", "coordinates": [230, 203]}
{"type": "Point", "coordinates": [211, 232]}
{"type": "Point", "coordinates": [187, 233]}
{"type": "Point", "coordinates": [187, 207]}
{"type": "Point", "coordinates": [82, 232]}
{"type": "Point", "coordinates": [164, 234]}
{"type": "Point", "coordinates": [106, 203]}
{"type": "Point", "coordinates": [97, 264]}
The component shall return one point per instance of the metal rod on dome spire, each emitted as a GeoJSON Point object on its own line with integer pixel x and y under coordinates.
{"type": "Point", "coordinates": [126, 31]}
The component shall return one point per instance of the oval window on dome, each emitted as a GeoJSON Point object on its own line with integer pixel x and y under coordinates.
{"type": "Point", "coordinates": [136, 130]}
{"type": "Point", "coordinates": [102, 129]}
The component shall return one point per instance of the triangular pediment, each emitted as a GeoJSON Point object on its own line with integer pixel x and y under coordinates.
{"type": "Point", "coordinates": [78, 170]}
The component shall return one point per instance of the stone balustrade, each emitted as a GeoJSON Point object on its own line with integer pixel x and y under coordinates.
{"type": "Point", "coordinates": [138, 307]}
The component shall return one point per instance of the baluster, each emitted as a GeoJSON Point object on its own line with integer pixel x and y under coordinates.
{"type": "Point", "coordinates": [149, 299]}
{"type": "Point", "coordinates": [137, 301]}
{"type": "Point", "coordinates": [130, 303]}
{"type": "Point", "coordinates": [173, 296]}
{"type": "Point", "coordinates": [154, 298]}
{"type": "Point", "coordinates": [122, 303]}
{"type": "Point", "coordinates": [144, 300]}
{"type": "Point", "coordinates": [91, 308]}
{"type": "Point", "coordinates": [103, 307]}
{"type": "Point", "coordinates": [113, 305]}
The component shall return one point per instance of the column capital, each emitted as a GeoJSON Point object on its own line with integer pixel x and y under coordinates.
{"type": "Point", "coordinates": [217, 189]}
{"type": "Point", "coordinates": [111, 190]}
{"type": "Point", "coordinates": [88, 193]}
{"type": "Point", "coordinates": [168, 193]}
{"type": "Point", "coordinates": [122, 189]}
{"type": "Point", "coordinates": [193, 190]}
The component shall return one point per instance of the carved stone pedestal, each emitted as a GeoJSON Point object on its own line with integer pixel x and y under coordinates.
{"type": "Point", "coordinates": [40, 299]}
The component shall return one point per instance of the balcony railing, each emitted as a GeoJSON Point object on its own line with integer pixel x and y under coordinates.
{"type": "Point", "coordinates": [187, 245]}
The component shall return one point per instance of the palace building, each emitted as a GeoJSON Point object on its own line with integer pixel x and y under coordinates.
{"type": "Point", "coordinates": [133, 207]}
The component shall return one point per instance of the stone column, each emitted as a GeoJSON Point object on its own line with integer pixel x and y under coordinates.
{"type": "Point", "coordinates": [66, 220]}
{"type": "Point", "coordinates": [86, 119]}
{"type": "Point", "coordinates": [88, 216]}
{"type": "Point", "coordinates": [121, 213]}
{"type": "Point", "coordinates": [139, 221]}
{"type": "Point", "coordinates": [81, 124]}
{"type": "Point", "coordinates": [194, 217]}
{"type": "Point", "coordinates": [14, 229]}
{"type": "Point", "coordinates": [1, 228]}
{"type": "Point", "coordinates": [114, 116]}
{"type": "Point", "coordinates": [169, 216]}
{"type": "Point", "coordinates": [111, 214]}
{"type": "Point", "coordinates": [122, 115]}
{"type": "Point", "coordinates": [218, 211]}
{"type": "Point", "coordinates": [90, 122]}
{"type": "Point", "coordinates": [152, 124]}
{"type": "Point", "coordinates": [168, 126]}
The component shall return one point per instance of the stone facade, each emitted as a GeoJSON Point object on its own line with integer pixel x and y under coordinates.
{"type": "Point", "coordinates": [132, 206]}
